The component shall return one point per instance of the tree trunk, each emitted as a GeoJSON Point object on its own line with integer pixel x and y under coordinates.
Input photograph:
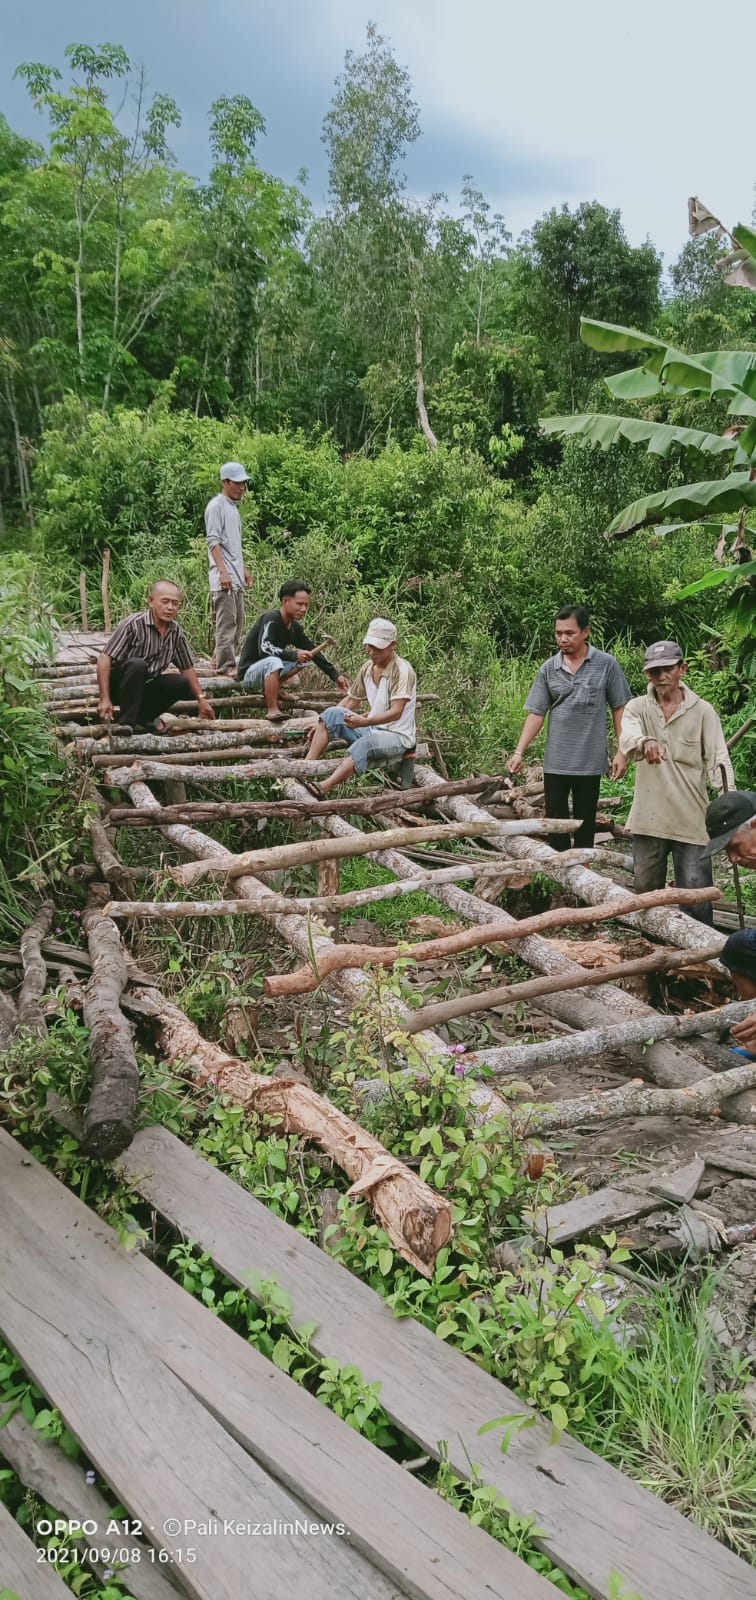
{"type": "Point", "coordinates": [635, 1099]}
{"type": "Point", "coordinates": [304, 980]}
{"type": "Point", "coordinates": [30, 1017]}
{"type": "Point", "coordinates": [524, 1058]}
{"type": "Point", "coordinates": [422, 412]}
{"type": "Point", "coordinates": [110, 1115]}
{"type": "Point", "coordinates": [203, 738]}
{"type": "Point", "coordinates": [256, 767]}
{"type": "Point", "coordinates": [417, 1220]}
{"type": "Point", "coordinates": [351, 805]}
{"type": "Point", "coordinates": [360, 844]}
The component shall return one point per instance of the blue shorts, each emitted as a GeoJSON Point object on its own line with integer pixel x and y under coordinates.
{"type": "Point", "coordinates": [255, 675]}
{"type": "Point", "coordinates": [368, 747]}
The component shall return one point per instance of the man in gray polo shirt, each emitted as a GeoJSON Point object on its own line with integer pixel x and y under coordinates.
{"type": "Point", "coordinates": [573, 689]}
{"type": "Point", "coordinates": [228, 575]}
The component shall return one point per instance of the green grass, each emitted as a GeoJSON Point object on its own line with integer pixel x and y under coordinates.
{"type": "Point", "coordinates": [393, 915]}
{"type": "Point", "coordinates": [674, 1417]}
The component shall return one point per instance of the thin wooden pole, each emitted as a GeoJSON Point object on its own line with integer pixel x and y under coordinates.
{"type": "Point", "coordinates": [83, 599]}
{"type": "Point", "coordinates": [105, 588]}
{"type": "Point", "coordinates": [363, 805]}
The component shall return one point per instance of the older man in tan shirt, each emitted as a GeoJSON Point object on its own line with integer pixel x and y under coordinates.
{"type": "Point", "coordinates": [679, 746]}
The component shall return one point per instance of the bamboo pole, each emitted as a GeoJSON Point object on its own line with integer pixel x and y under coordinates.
{"type": "Point", "coordinates": [524, 1058]}
{"type": "Point", "coordinates": [309, 906]}
{"type": "Point", "coordinates": [533, 988]}
{"type": "Point", "coordinates": [310, 850]}
{"type": "Point", "coordinates": [363, 805]}
{"type": "Point", "coordinates": [305, 979]}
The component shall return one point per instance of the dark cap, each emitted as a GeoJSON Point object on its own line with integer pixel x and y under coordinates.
{"type": "Point", "coordinates": [739, 953]}
{"type": "Point", "coordinates": [663, 654]}
{"type": "Point", "coordinates": [725, 815]}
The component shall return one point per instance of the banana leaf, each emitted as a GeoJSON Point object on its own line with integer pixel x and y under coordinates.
{"type": "Point", "coordinates": [659, 437]}
{"type": "Point", "coordinates": [692, 502]}
{"type": "Point", "coordinates": [718, 575]}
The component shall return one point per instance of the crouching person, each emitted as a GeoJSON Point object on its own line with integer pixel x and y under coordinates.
{"type": "Point", "coordinates": [132, 670]}
{"type": "Point", "coordinates": [387, 732]}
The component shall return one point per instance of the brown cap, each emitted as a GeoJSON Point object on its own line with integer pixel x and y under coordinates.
{"type": "Point", "coordinates": [664, 654]}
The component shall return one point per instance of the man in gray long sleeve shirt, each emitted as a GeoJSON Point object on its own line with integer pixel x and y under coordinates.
{"type": "Point", "coordinates": [228, 575]}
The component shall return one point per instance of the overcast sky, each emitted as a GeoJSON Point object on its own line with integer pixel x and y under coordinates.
{"type": "Point", "coordinates": [634, 105]}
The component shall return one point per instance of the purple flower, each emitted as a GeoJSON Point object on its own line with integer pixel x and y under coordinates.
{"type": "Point", "coordinates": [90, 1476]}
{"type": "Point", "coordinates": [460, 1070]}
{"type": "Point", "coordinates": [212, 1080]}
{"type": "Point", "coordinates": [108, 1573]}
{"type": "Point", "coordinates": [456, 1049]}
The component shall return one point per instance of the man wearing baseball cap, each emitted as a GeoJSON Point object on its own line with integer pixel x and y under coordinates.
{"type": "Point", "coordinates": [388, 730]}
{"type": "Point", "coordinates": [679, 746]}
{"type": "Point", "coordinates": [228, 575]}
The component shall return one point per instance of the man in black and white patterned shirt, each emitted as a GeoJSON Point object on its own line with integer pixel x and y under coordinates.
{"type": "Point", "coordinates": [132, 670]}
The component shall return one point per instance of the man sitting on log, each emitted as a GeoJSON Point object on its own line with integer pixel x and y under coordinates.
{"type": "Point", "coordinates": [731, 825]}
{"type": "Point", "coordinates": [132, 670]}
{"type": "Point", "coordinates": [388, 731]}
{"type": "Point", "coordinates": [277, 648]}
{"type": "Point", "coordinates": [677, 741]}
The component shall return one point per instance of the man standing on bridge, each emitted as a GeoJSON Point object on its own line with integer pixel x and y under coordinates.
{"type": "Point", "coordinates": [679, 746]}
{"type": "Point", "coordinates": [574, 689]}
{"type": "Point", "coordinates": [132, 670]}
{"type": "Point", "coordinates": [228, 575]}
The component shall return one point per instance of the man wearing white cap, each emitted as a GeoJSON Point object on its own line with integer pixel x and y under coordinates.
{"type": "Point", "coordinates": [677, 740]}
{"type": "Point", "coordinates": [228, 575]}
{"type": "Point", "coordinates": [387, 731]}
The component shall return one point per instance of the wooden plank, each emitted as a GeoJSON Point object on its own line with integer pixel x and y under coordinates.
{"type": "Point", "coordinates": [21, 1571]}
{"type": "Point", "coordinates": [60, 1482]}
{"type": "Point", "coordinates": [595, 1521]}
{"type": "Point", "coordinates": [164, 1455]}
{"type": "Point", "coordinates": [418, 1540]}
{"type": "Point", "coordinates": [591, 1213]}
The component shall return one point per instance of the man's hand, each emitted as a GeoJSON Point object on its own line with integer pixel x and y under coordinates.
{"type": "Point", "coordinates": [226, 583]}
{"type": "Point", "coordinates": [106, 709]}
{"type": "Point", "coordinates": [618, 767]}
{"type": "Point", "coordinates": [247, 579]}
{"type": "Point", "coordinates": [303, 656]}
{"type": "Point", "coordinates": [515, 762]}
{"type": "Point", "coordinates": [205, 709]}
{"type": "Point", "coordinates": [342, 683]}
{"type": "Point", "coordinates": [745, 1034]}
{"type": "Point", "coordinates": [653, 752]}
{"type": "Point", "coordinates": [354, 720]}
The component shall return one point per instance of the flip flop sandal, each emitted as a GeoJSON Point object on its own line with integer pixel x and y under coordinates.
{"type": "Point", "coordinates": [314, 789]}
{"type": "Point", "coordinates": [278, 716]}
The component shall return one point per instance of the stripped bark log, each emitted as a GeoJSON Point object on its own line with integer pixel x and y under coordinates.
{"type": "Point", "coordinates": [523, 1058]}
{"type": "Point", "coordinates": [365, 844]}
{"type": "Point", "coordinates": [203, 738]}
{"type": "Point", "coordinates": [257, 767]}
{"type": "Point", "coordinates": [30, 1016]}
{"type": "Point", "coordinates": [533, 988]}
{"type": "Point", "coordinates": [110, 1114]}
{"type": "Point", "coordinates": [95, 735]}
{"type": "Point", "coordinates": [635, 1099]}
{"type": "Point", "coordinates": [304, 980]}
{"type": "Point", "coordinates": [194, 811]}
{"type": "Point", "coordinates": [664, 1062]}
{"type": "Point", "coordinates": [673, 927]}
{"type": "Point", "coordinates": [312, 906]}
{"type": "Point", "coordinates": [416, 1219]}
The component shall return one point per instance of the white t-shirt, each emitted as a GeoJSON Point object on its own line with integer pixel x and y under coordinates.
{"type": "Point", "coordinates": [223, 526]}
{"type": "Point", "coordinates": [397, 682]}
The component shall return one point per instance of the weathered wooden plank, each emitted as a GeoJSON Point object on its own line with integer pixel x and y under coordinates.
{"type": "Point", "coordinates": [414, 1537]}
{"type": "Point", "coordinates": [21, 1571]}
{"type": "Point", "coordinates": [60, 1482]}
{"type": "Point", "coordinates": [153, 1441]}
{"type": "Point", "coordinates": [590, 1213]}
{"type": "Point", "coordinates": [595, 1521]}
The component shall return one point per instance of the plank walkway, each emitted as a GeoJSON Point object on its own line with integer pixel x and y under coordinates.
{"type": "Point", "coordinates": [123, 1314]}
{"type": "Point", "coordinates": [595, 1520]}
{"type": "Point", "coordinates": [21, 1570]}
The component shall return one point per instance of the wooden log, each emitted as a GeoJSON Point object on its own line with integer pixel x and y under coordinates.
{"type": "Point", "coordinates": [257, 767]}
{"type": "Point", "coordinates": [203, 737]}
{"type": "Point", "coordinates": [533, 988]}
{"type": "Point", "coordinates": [29, 1016]}
{"type": "Point", "coordinates": [59, 1482]}
{"type": "Point", "coordinates": [105, 588]}
{"type": "Point", "coordinates": [524, 1058]}
{"type": "Point", "coordinates": [426, 1048]}
{"type": "Point", "coordinates": [666, 1063]}
{"type": "Point", "coordinates": [328, 893]}
{"type": "Point", "coordinates": [311, 850]}
{"type": "Point", "coordinates": [83, 601]}
{"type": "Point", "coordinates": [745, 727]}
{"type": "Point", "coordinates": [416, 1219]}
{"type": "Point", "coordinates": [671, 926]}
{"type": "Point", "coordinates": [635, 1099]}
{"type": "Point", "coordinates": [304, 980]}
{"type": "Point", "coordinates": [96, 736]}
{"type": "Point", "coordinates": [363, 805]}
{"type": "Point", "coordinates": [309, 906]}
{"type": "Point", "coordinates": [605, 1208]}
{"type": "Point", "coordinates": [8, 1015]}
{"type": "Point", "coordinates": [72, 691]}
{"type": "Point", "coordinates": [216, 756]}
{"type": "Point", "coordinates": [110, 1113]}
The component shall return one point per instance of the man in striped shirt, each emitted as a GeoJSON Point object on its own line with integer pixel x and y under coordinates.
{"type": "Point", "coordinates": [132, 670]}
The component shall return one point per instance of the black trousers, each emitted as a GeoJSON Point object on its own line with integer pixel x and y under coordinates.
{"type": "Point", "coordinates": [557, 788]}
{"type": "Point", "coordinates": [140, 698]}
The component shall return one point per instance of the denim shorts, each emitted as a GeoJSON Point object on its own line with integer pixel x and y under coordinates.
{"type": "Point", "coordinates": [368, 747]}
{"type": "Point", "coordinates": [255, 675]}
